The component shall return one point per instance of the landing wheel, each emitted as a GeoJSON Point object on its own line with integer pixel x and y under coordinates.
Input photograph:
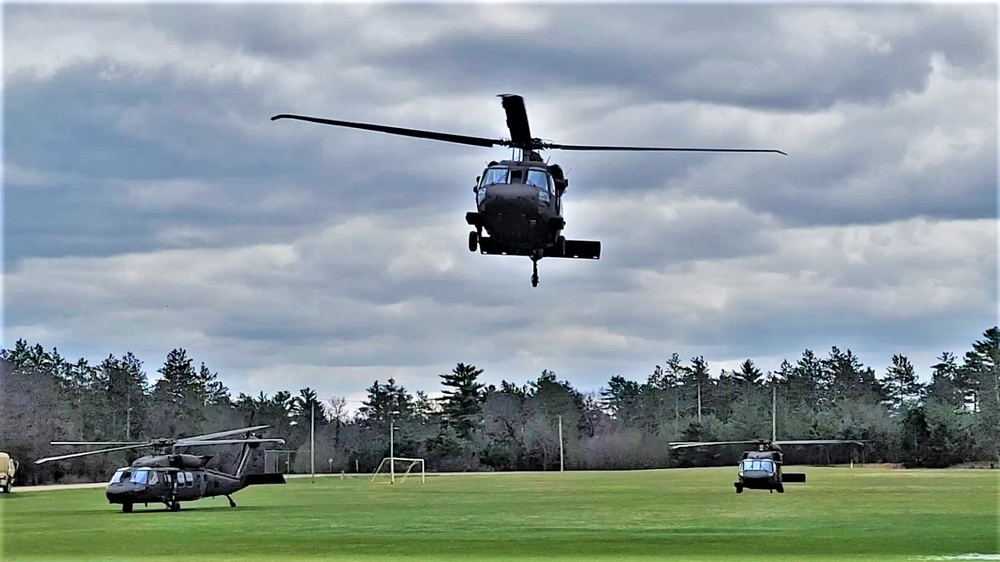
{"type": "Point", "coordinates": [780, 488]}
{"type": "Point", "coordinates": [231, 502]}
{"type": "Point", "coordinates": [6, 488]}
{"type": "Point", "coordinates": [175, 506]}
{"type": "Point", "coordinates": [739, 488]}
{"type": "Point", "coordinates": [473, 241]}
{"type": "Point", "coordinates": [126, 508]}
{"type": "Point", "coordinates": [561, 245]}
{"type": "Point", "coordinates": [534, 272]}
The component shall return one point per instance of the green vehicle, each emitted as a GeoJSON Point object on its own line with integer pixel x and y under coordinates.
{"type": "Point", "coordinates": [8, 467]}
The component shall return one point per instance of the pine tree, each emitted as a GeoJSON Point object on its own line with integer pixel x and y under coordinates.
{"type": "Point", "coordinates": [901, 383]}
{"type": "Point", "coordinates": [462, 399]}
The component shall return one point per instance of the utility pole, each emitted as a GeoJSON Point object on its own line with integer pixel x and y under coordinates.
{"type": "Point", "coordinates": [392, 452]}
{"type": "Point", "coordinates": [128, 414]}
{"type": "Point", "coordinates": [560, 445]}
{"type": "Point", "coordinates": [699, 402]}
{"type": "Point", "coordinates": [312, 442]}
{"type": "Point", "coordinates": [774, 410]}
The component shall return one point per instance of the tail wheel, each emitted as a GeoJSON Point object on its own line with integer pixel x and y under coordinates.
{"type": "Point", "coordinates": [473, 241]}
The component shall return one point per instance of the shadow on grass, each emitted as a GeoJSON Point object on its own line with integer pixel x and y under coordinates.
{"type": "Point", "coordinates": [152, 510]}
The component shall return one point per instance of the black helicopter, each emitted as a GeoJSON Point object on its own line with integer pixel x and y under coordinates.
{"type": "Point", "coordinates": [169, 477]}
{"type": "Point", "coordinates": [519, 201]}
{"type": "Point", "coordinates": [760, 468]}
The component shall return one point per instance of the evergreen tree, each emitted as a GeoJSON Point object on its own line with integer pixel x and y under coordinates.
{"type": "Point", "coordinates": [176, 398]}
{"type": "Point", "coordinates": [126, 389]}
{"type": "Point", "coordinates": [622, 399]}
{"type": "Point", "coordinates": [982, 368]}
{"type": "Point", "coordinates": [944, 388]}
{"type": "Point", "coordinates": [901, 383]}
{"type": "Point", "coordinates": [461, 403]}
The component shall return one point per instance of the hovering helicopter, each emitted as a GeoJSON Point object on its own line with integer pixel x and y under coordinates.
{"type": "Point", "coordinates": [169, 477]}
{"type": "Point", "coordinates": [519, 201]}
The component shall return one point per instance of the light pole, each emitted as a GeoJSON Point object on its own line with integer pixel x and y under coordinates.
{"type": "Point", "coordinates": [392, 446]}
{"type": "Point", "coordinates": [392, 453]}
{"type": "Point", "coordinates": [560, 445]}
{"type": "Point", "coordinates": [773, 379]}
{"type": "Point", "coordinates": [128, 413]}
{"type": "Point", "coordinates": [312, 441]}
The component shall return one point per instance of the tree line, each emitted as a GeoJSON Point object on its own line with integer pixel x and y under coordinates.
{"type": "Point", "coordinates": [952, 418]}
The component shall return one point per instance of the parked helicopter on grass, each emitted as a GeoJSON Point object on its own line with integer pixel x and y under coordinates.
{"type": "Point", "coordinates": [169, 477]}
{"type": "Point", "coordinates": [519, 201]}
{"type": "Point", "coordinates": [760, 468]}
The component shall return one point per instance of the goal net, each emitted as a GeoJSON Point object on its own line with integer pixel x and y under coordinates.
{"type": "Point", "coordinates": [393, 467]}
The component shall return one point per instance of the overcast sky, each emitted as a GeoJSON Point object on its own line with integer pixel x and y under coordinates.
{"type": "Point", "coordinates": [150, 203]}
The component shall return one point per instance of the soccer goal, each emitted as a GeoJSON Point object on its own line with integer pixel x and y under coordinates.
{"type": "Point", "coordinates": [391, 468]}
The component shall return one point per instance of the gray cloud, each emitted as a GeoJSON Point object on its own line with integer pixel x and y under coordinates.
{"type": "Point", "coordinates": [149, 202]}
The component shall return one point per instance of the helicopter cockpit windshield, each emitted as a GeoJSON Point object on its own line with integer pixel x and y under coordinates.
{"type": "Point", "coordinates": [139, 476]}
{"type": "Point", "coordinates": [494, 175]}
{"type": "Point", "coordinates": [756, 467]}
{"type": "Point", "coordinates": [117, 477]}
{"type": "Point", "coordinates": [540, 179]}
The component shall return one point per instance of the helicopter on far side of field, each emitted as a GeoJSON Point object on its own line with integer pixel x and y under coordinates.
{"type": "Point", "coordinates": [760, 468]}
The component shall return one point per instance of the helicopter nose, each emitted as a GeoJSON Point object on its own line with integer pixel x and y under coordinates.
{"type": "Point", "coordinates": [522, 198]}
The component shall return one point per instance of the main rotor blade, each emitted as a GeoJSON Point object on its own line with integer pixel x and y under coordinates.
{"type": "Point", "coordinates": [821, 442]}
{"type": "Point", "coordinates": [654, 148]}
{"type": "Point", "coordinates": [417, 133]}
{"type": "Point", "coordinates": [222, 433]}
{"type": "Point", "coordinates": [98, 443]}
{"type": "Point", "coordinates": [230, 442]}
{"type": "Point", "coordinates": [685, 444]}
{"type": "Point", "coordinates": [85, 453]}
{"type": "Point", "coordinates": [517, 121]}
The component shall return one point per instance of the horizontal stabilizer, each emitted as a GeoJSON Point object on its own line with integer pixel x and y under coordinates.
{"type": "Point", "coordinates": [269, 478]}
{"type": "Point", "coordinates": [576, 249]}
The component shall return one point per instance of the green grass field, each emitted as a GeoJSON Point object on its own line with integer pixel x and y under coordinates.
{"type": "Point", "coordinates": [690, 514]}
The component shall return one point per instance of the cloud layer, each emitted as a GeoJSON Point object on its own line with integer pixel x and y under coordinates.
{"type": "Point", "coordinates": [149, 203]}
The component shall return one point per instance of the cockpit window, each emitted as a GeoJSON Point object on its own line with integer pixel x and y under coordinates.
{"type": "Point", "coordinates": [139, 477]}
{"type": "Point", "coordinates": [494, 175]}
{"type": "Point", "coordinates": [539, 179]}
{"type": "Point", "coordinates": [766, 465]}
{"type": "Point", "coordinates": [117, 476]}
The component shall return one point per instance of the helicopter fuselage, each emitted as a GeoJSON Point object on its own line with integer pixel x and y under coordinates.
{"type": "Point", "coordinates": [519, 207]}
{"type": "Point", "coordinates": [519, 204]}
{"type": "Point", "coordinates": [171, 479]}
{"type": "Point", "coordinates": [760, 470]}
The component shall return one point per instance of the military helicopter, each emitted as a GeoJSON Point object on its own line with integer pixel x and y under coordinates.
{"type": "Point", "coordinates": [519, 201]}
{"type": "Point", "coordinates": [169, 477]}
{"type": "Point", "coordinates": [760, 468]}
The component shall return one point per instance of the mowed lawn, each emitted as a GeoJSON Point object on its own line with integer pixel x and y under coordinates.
{"type": "Point", "coordinates": [685, 514]}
